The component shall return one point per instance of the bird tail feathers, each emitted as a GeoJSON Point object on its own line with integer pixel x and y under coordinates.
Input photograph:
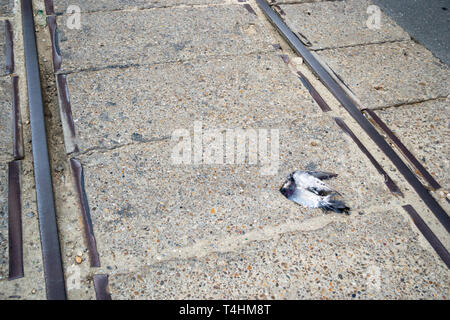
{"type": "Point", "coordinates": [335, 206]}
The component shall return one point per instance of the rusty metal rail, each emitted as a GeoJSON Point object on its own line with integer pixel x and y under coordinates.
{"type": "Point", "coordinates": [51, 253]}
{"type": "Point", "coordinates": [420, 168]}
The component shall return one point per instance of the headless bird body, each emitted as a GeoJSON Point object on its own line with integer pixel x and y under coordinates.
{"type": "Point", "coordinates": [307, 188]}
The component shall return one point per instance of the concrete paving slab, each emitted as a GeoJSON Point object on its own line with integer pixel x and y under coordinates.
{"type": "Point", "coordinates": [160, 35]}
{"type": "Point", "coordinates": [388, 74]}
{"type": "Point", "coordinates": [110, 5]}
{"type": "Point", "coordinates": [4, 266]}
{"type": "Point", "coordinates": [415, 17]}
{"type": "Point", "coordinates": [374, 256]}
{"type": "Point", "coordinates": [425, 130]}
{"type": "Point", "coordinates": [114, 107]}
{"type": "Point", "coordinates": [6, 7]}
{"type": "Point", "coordinates": [5, 118]}
{"type": "Point", "coordinates": [332, 24]}
{"type": "Point", "coordinates": [144, 207]}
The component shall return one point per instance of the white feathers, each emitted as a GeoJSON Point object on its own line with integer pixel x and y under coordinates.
{"type": "Point", "coordinates": [307, 189]}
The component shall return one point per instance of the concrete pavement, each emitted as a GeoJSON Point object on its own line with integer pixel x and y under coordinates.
{"type": "Point", "coordinates": [426, 21]}
{"type": "Point", "coordinates": [32, 285]}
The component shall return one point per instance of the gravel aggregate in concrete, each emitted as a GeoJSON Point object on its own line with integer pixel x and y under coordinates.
{"type": "Point", "coordinates": [424, 128]}
{"type": "Point", "coordinates": [332, 24]}
{"type": "Point", "coordinates": [155, 36]}
{"type": "Point", "coordinates": [110, 5]}
{"type": "Point", "coordinates": [114, 107]}
{"type": "Point", "coordinates": [225, 231]}
{"type": "Point", "coordinates": [426, 21]}
{"type": "Point", "coordinates": [32, 286]}
{"type": "Point", "coordinates": [3, 221]}
{"type": "Point", "coordinates": [373, 256]}
{"type": "Point", "coordinates": [296, 1]}
{"type": "Point", "coordinates": [389, 74]}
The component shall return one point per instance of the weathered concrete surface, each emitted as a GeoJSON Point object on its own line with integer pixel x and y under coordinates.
{"type": "Point", "coordinates": [332, 24]}
{"type": "Point", "coordinates": [144, 206]}
{"type": "Point", "coordinates": [140, 104]}
{"type": "Point", "coordinates": [374, 256]}
{"type": "Point", "coordinates": [389, 74]}
{"type": "Point", "coordinates": [426, 21]}
{"type": "Point", "coordinates": [32, 285]}
{"type": "Point", "coordinates": [296, 1]}
{"type": "Point", "coordinates": [3, 221]}
{"type": "Point", "coordinates": [110, 5]}
{"type": "Point", "coordinates": [425, 129]}
{"type": "Point", "coordinates": [6, 7]}
{"type": "Point", "coordinates": [160, 35]}
{"type": "Point", "coordinates": [5, 119]}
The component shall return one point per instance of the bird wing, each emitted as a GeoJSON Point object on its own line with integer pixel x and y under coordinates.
{"type": "Point", "coordinates": [313, 184]}
{"type": "Point", "coordinates": [307, 188]}
{"type": "Point", "coordinates": [320, 192]}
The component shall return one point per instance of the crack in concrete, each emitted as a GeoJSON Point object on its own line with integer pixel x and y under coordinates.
{"type": "Point", "coordinates": [104, 150]}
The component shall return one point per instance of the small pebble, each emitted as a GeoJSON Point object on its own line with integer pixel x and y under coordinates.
{"type": "Point", "coordinates": [78, 259]}
{"type": "Point", "coordinates": [297, 60]}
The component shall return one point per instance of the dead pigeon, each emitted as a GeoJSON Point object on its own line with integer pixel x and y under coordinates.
{"type": "Point", "coordinates": [306, 188]}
